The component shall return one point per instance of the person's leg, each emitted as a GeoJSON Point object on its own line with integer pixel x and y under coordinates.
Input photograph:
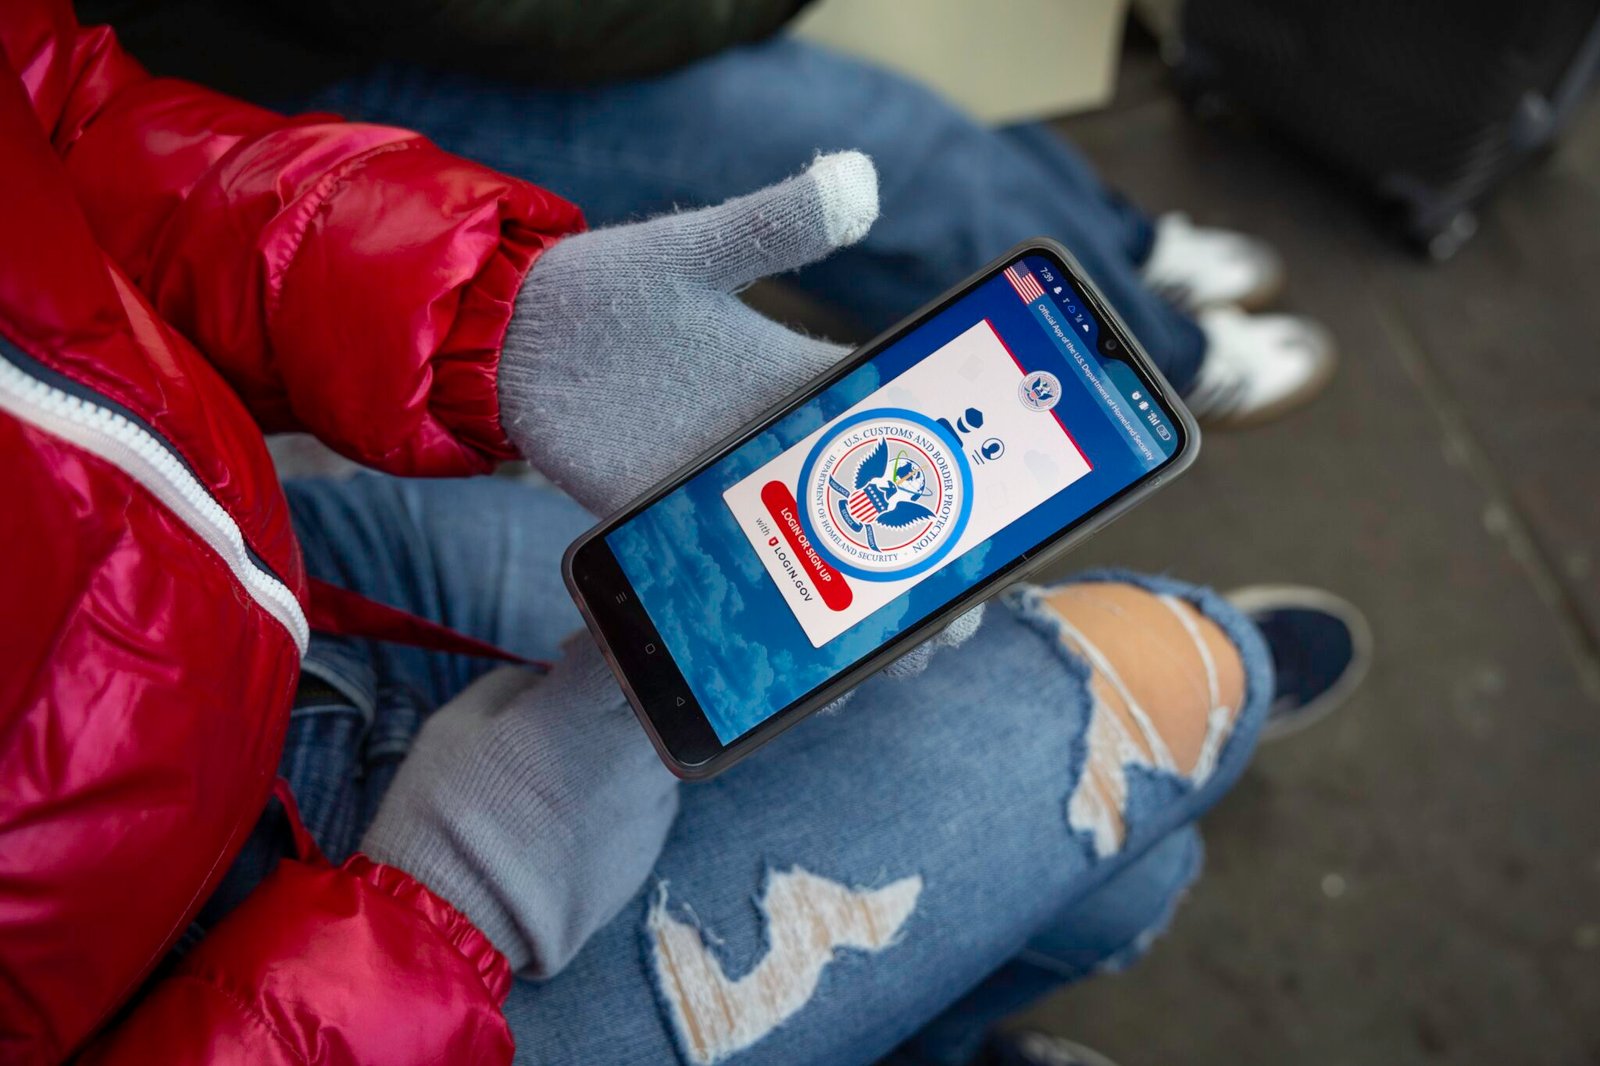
{"type": "Point", "coordinates": [828, 897]}
{"type": "Point", "coordinates": [1110, 929]}
{"type": "Point", "coordinates": [1135, 230]}
{"type": "Point", "coordinates": [955, 194]}
{"type": "Point", "coordinates": [1142, 701]}
{"type": "Point", "coordinates": [480, 555]}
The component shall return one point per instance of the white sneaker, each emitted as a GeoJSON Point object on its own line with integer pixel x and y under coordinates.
{"type": "Point", "coordinates": [1258, 367]}
{"type": "Point", "coordinates": [1196, 267]}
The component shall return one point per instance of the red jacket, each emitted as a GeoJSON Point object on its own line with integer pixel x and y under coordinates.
{"type": "Point", "coordinates": [178, 272]}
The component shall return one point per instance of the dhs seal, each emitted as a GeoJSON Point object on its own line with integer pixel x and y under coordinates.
{"type": "Point", "coordinates": [885, 494]}
{"type": "Point", "coordinates": [1040, 391]}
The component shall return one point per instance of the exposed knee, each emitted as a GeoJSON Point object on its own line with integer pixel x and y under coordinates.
{"type": "Point", "coordinates": [1166, 686]}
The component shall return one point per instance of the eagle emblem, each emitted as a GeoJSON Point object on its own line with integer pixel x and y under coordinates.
{"type": "Point", "coordinates": [886, 493]}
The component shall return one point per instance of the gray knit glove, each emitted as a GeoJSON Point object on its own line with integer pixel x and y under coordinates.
{"type": "Point", "coordinates": [533, 804]}
{"type": "Point", "coordinates": [537, 805]}
{"type": "Point", "coordinates": [629, 351]}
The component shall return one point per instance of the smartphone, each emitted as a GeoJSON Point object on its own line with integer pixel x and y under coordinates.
{"type": "Point", "coordinates": [986, 434]}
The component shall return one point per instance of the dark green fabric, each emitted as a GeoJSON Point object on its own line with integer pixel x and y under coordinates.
{"type": "Point", "coordinates": [265, 49]}
{"type": "Point", "coordinates": [227, 45]}
{"type": "Point", "coordinates": [558, 41]}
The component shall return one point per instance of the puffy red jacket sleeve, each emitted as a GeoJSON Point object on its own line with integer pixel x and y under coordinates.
{"type": "Point", "coordinates": [350, 280]}
{"type": "Point", "coordinates": [332, 967]}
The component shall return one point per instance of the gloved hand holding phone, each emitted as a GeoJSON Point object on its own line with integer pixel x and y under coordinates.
{"type": "Point", "coordinates": [537, 804]}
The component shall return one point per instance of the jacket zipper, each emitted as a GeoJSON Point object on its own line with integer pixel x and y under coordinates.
{"type": "Point", "coordinates": [86, 419]}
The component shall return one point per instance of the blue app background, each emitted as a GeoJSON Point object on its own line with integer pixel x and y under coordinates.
{"type": "Point", "coordinates": [719, 614]}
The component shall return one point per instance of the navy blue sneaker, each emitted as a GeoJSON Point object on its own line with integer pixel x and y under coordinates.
{"type": "Point", "coordinates": [1029, 1047]}
{"type": "Point", "coordinates": [1321, 648]}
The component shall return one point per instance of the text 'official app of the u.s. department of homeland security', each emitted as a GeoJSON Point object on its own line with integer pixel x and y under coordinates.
{"type": "Point", "coordinates": [907, 481]}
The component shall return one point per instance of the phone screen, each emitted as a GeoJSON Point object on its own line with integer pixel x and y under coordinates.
{"type": "Point", "coordinates": [959, 447]}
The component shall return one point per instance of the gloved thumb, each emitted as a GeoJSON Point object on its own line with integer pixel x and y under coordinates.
{"type": "Point", "coordinates": [773, 230]}
{"type": "Point", "coordinates": [953, 635]}
{"type": "Point", "coordinates": [915, 661]}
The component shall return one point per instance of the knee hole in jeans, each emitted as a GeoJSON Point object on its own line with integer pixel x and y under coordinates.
{"type": "Point", "coordinates": [1165, 686]}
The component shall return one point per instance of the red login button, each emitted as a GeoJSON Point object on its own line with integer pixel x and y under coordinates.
{"type": "Point", "coordinates": [828, 582]}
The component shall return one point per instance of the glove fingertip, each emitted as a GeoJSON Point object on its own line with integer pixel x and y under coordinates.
{"type": "Point", "coordinates": [910, 664]}
{"type": "Point", "coordinates": [847, 189]}
{"type": "Point", "coordinates": [960, 631]}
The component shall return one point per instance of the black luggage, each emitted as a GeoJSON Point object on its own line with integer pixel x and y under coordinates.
{"type": "Point", "coordinates": [1428, 103]}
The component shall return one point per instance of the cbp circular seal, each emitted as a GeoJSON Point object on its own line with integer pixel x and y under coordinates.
{"type": "Point", "coordinates": [885, 494]}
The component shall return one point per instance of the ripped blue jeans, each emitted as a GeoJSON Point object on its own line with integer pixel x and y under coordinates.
{"type": "Point", "coordinates": [883, 881]}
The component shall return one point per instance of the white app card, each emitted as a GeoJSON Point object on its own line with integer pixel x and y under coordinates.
{"type": "Point", "coordinates": [878, 499]}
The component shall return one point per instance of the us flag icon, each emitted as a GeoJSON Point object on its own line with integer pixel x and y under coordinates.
{"type": "Point", "coordinates": [1024, 282]}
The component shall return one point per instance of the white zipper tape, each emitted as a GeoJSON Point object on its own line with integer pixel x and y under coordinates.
{"type": "Point", "coordinates": [148, 460]}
